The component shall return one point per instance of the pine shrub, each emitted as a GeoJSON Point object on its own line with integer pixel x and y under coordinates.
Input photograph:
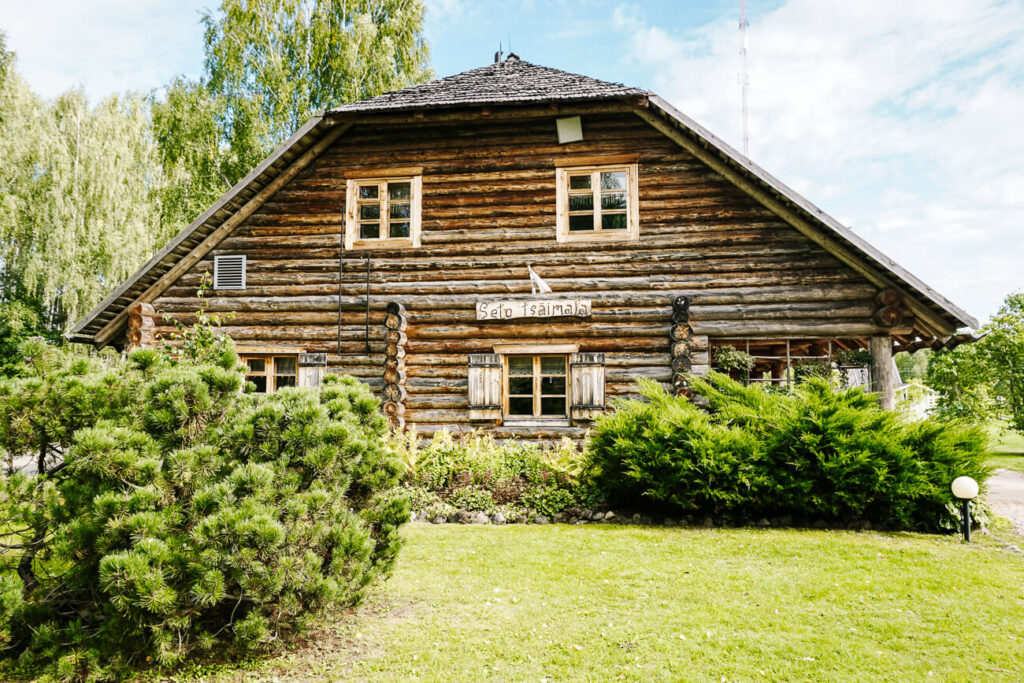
{"type": "Point", "coordinates": [818, 453]}
{"type": "Point", "coordinates": [175, 516]}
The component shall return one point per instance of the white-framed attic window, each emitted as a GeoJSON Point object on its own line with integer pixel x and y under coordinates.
{"type": "Point", "coordinates": [383, 208]}
{"type": "Point", "coordinates": [597, 202]}
{"type": "Point", "coordinates": [229, 272]}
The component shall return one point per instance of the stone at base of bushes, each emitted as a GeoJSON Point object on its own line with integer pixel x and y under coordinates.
{"type": "Point", "coordinates": [463, 517]}
{"type": "Point", "coordinates": [820, 524]}
{"type": "Point", "coordinates": [786, 520]}
{"type": "Point", "coordinates": [637, 518]}
{"type": "Point", "coordinates": [609, 516]}
{"type": "Point", "coordinates": [763, 522]}
{"type": "Point", "coordinates": [558, 517]}
{"type": "Point", "coordinates": [708, 522]}
{"type": "Point", "coordinates": [669, 522]}
{"type": "Point", "coordinates": [481, 518]}
{"type": "Point", "coordinates": [587, 514]}
{"type": "Point", "coordinates": [439, 520]}
{"type": "Point", "coordinates": [498, 518]}
{"type": "Point", "coordinates": [541, 519]}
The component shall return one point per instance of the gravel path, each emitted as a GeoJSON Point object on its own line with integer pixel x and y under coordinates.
{"type": "Point", "coordinates": [1006, 496]}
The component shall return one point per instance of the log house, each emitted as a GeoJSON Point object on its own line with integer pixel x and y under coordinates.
{"type": "Point", "coordinates": [389, 239]}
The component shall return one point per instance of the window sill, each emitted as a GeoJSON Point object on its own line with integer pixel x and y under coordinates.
{"type": "Point", "coordinates": [394, 243]}
{"type": "Point", "coordinates": [537, 422]}
{"type": "Point", "coordinates": [599, 236]}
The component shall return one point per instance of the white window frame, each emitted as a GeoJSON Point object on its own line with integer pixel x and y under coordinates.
{"type": "Point", "coordinates": [381, 178]}
{"type": "Point", "coordinates": [562, 174]}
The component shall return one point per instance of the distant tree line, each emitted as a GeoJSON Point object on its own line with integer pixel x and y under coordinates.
{"type": "Point", "coordinates": [89, 191]}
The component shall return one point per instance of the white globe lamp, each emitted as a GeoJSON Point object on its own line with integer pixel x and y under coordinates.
{"type": "Point", "coordinates": [966, 489]}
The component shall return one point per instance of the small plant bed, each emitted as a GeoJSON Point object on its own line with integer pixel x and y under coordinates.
{"type": "Point", "coordinates": [606, 602]}
{"type": "Point", "coordinates": [474, 479]}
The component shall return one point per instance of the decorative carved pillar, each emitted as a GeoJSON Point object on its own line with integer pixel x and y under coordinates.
{"type": "Point", "coordinates": [394, 364]}
{"type": "Point", "coordinates": [141, 326]}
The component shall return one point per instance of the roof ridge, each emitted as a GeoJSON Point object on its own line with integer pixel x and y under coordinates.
{"type": "Point", "coordinates": [510, 81]}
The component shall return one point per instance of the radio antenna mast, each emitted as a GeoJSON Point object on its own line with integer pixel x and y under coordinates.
{"type": "Point", "coordinates": [744, 77]}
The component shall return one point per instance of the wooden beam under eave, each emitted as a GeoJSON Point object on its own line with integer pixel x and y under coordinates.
{"type": "Point", "coordinates": [104, 336]}
{"type": "Point", "coordinates": [498, 113]}
{"type": "Point", "coordinates": [926, 318]}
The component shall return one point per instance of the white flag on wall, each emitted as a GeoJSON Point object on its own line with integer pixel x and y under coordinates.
{"type": "Point", "coordinates": [537, 284]}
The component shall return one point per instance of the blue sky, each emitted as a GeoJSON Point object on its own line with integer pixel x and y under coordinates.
{"type": "Point", "coordinates": [903, 120]}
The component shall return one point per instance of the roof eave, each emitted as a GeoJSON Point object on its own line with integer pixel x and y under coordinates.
{"type": "Point", "coordinates": [76, 331]}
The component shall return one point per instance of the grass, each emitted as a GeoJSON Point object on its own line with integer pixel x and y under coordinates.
{"type": "Point", "coordinates": [470, 603]}
{"type": "Point", "coordinates": [1008, 448]}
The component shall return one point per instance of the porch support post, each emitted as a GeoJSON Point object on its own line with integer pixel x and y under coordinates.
{"type": "Point", "coordinates": [882, 380]}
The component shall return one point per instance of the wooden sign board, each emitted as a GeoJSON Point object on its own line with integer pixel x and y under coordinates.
{"type": "Point", "coordinates": [532, 308]}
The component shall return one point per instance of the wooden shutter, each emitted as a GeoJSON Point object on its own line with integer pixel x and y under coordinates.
{"type": "Point", "coordinates": [312, 367]}
{"type": "Point", "coordinates": [587, 379]}
{"type": "Point", "coordinates": [484, 386]}
{"type": "Point", "coordinates": [229, 272]}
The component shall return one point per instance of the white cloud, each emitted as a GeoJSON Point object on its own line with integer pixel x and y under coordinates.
{"type": "Point", "coordinates": [104, 46]}
{"type": "Point", "coordinates": [900, 118]}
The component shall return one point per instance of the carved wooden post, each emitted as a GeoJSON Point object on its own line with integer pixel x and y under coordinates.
{"type": "Point", "coordinates": [141, 327]}
{"type": "Point", "coordinates": [882, 380]}
{"type": "Point", "coordinates": [681, 334]}
{"type": "Point", "coordinates": [394, 364]}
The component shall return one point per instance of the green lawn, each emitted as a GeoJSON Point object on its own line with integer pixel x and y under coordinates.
{"type": "Point", "coordinates": [1008, 449]}
{"type": "Point", "coordinates": [470, 603]}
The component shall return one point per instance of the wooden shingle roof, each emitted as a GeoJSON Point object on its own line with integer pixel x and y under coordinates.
{"type": "Point", "coordinates": [512, 81]}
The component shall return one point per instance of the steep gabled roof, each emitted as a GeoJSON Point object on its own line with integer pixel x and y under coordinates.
{"type": "Point", "coordinates": [512, 81]}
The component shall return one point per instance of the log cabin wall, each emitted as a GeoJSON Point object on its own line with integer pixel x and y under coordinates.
{"type": "Point", "coordinates": [488, 210]}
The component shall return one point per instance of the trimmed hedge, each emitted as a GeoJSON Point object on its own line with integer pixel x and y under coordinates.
{"type": "Point", "coordinates": [819, 453]}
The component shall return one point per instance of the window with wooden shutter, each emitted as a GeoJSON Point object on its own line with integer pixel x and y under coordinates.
{"type": "Point", "coordinates": [312, 367]}
{"type": "Point", "coordinates": [229, 272]}
{"type": "Point", "coordinates": [587, 372]}
{"type": "Point", "coordinates": [484, 386]}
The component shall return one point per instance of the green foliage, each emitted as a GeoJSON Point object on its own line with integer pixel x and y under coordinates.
{"type": "Point", "coordinates": [19, 321]}
{"type": "Point", "coordinates": [818, 453]}
{"type": "Point", "coordinates": [963, 380]}
{"type": "Point", "coordinates": [176, 516]}
{"type": "Point", "coordinates": [276, 64]}
{"type": "Point", "coordinates": [985, 379]}
{"type": "Point", "coordinates": [729, 358]}
{"type": "Point", "coordinates": [913, 365]}
{"type": "Point", "coordinates": [1004, 347]}
{"type": "Point", "coordinates": [92, 190]}
{"type": "Point", "coordinates": [474, 472]}
{"type": "Point", "coordinates": [76, 213]}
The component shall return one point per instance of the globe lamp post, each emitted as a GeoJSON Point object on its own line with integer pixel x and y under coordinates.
{"type": "Point", "coordinates": [966, 489]}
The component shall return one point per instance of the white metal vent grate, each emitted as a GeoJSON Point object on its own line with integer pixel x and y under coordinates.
{"type": "Point", "coordinates": [229, 272]}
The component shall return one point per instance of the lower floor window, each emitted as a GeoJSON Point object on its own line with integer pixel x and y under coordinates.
{"type": "Point", "coordinates": [270, 373]}
{"type": "Point", "coordinates": [536, 386]}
